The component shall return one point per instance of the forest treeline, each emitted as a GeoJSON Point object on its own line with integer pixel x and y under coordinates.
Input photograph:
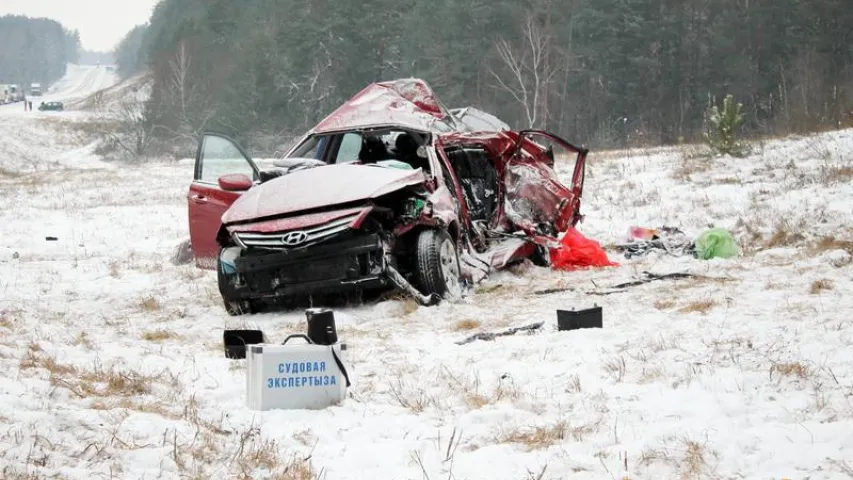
{"type": "Point", "coordinates": [605, 73]}
{"type": "Point", "coordinates": [35, 50]}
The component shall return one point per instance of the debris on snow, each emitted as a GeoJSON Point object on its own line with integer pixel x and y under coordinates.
{"type": "Point", "coordinates": [512, 331]}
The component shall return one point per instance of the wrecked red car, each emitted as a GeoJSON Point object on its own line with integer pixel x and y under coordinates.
{"type": "Point", "coordinates": [390, 191]}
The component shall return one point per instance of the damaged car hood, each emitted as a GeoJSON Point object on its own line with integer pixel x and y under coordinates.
{"type": "Point", "coordinates": [319, 187]}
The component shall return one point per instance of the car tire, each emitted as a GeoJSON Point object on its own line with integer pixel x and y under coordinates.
{"type": "Point", "coordinates": [437, 265]}
{"type": "Point", "coordinates": [232, 306]}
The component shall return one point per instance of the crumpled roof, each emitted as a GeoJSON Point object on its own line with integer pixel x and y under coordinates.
{"type": "Point", "coordinates": [406, 102]}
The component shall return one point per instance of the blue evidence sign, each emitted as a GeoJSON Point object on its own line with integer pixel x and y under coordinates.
{"type": "Point", "coordinates": [301, 374]}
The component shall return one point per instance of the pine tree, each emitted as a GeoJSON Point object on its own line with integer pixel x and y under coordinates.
{"type": "Point", "coordinates": [721, 134]}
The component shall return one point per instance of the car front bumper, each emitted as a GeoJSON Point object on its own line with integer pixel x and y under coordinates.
{"type": "Point", "coordinates": [353, 264]}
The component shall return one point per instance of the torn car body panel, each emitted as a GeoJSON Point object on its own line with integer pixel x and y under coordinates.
{"type": "Point", "coordinates": [393, 189]}
{"type": "Point", "coordinates": [407, 103]}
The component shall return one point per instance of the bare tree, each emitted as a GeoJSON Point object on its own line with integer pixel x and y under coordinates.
{"type": "Point", "coordinates": [530, 69]}
{"type": "Point", "coordinates": [192, 109]}
{"type": "Point", "coordinates": [132, 134]}
{"type": "Point", "coordinates": [178, 83]}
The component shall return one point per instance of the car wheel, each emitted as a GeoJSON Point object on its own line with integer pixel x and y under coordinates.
{"type": "Point", "coordinates": [438, 270]}
{"type": "Point", "coordinates": [234, 307]}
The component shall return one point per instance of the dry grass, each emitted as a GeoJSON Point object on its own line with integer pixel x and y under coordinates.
{"type": "Point", "coordinates": [821, 285]}
{"type": "Point", "coordinates": [728, 181]}
{"type": "Point", "coordinates": [692, 162]}
{"type": "Point", "coordinates": [114, 268]}
{"type": "Point", "coordinates": [651, 374]}
{"type": "Point", "coordinates": [474, 399]}
{"type": "Point", "coordinates": [8, 317]}
{"type": "Point", "coordinates": [467, 324]}
{"type": "Point", "coordinates": [305, 437]}
{"type": "Point", "coordinates": [159, 335]}
{"type": "Point", "coordinates": [752, 235]}
{"type": "Point", "coordinates": [793, 369]}
{"type": "Point", "coordinates": [414, 398]}
{"type": "Point", "coordinates": [775, 284]}
{"type": "Point", "coordinates": [826, 244]}
{"type": "Point", "coordinates": [694, 460]}
{"type": "Point", "coordinates": [80, 131]}
{"type": "Point", "coordinates": [86, 383]}
{"type": "Point", "coordinates": [836, 175]}
{"type": "Point", "coordinates": [212, 450]}
{"type": "Point", "coordinates": [5, 173]}
{"type": "Point", "coordinates": [843, 466]}
{"type": "Point", "coordinates": [460, 390]}
{"type": "Point", "coordinates": [690, 458]}
{"type": "Point", "coordinates": [150, 304]}
{"type": "Point", "coordinates": [542, 437]}
{"type": "Point", "coordinates": [106, 383]}
{"type": "Point", "coordinates": [783, 236]}
{"type": "Point", "coordinates": [536, 438]}
{"type": "Point", "coordinates": [35, 358]}
{"type": "Point", "coordinates": [83, 340]}
{"type": "Point", "coordinates": [616, 368]}
{"type": "Point", "coordinates": [408, 306]}
{"type": "Point", "coordinates": [662, 304]}
{"type": "Point", "coordinates": [243, 453]}
{"type": "Point", "coordinates": [574, 384]}
{"type": "Point", "coordinates": [700, 306]}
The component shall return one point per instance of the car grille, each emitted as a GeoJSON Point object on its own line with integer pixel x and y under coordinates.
{"type": "Point", "coordinates": [299, 238]}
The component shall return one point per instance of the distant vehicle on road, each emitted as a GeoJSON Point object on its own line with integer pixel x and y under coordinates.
{"type": "Point", "coordinates": [12, 94]}
{"type": "Point", "coordinates": [35, 90]}
{"type": "Point", "coordinates": [51, 106]}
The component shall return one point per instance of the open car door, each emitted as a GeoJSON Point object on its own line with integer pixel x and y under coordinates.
{"type": "Point", "coordinates": [223, 171]}
{"type": "Point", "coordinates": [535, 199]}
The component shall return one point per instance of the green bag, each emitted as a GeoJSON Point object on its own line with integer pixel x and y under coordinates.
{"type": "Point", "coordinates": [715, 243]}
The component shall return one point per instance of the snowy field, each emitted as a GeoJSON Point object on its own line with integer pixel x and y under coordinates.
{"type": "Point", "coordinates": [113, 364]}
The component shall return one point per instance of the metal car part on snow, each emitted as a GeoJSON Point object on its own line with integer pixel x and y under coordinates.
{"type": "Point", "coordinates": [391, 190]}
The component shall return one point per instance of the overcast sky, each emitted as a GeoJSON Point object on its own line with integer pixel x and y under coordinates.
{"type": "Point", "coordinates": [101, 23]}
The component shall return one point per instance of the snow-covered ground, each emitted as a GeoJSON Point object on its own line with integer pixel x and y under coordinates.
{"type": "Point", "coordinates": [113, 363]}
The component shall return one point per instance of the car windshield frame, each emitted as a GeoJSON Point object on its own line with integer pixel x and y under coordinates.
{"type": "Point", "coordinates": [313, 145]}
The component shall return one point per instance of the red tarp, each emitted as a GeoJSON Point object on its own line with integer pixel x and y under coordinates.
{"type": "Point", "coordinates": [577, 252]}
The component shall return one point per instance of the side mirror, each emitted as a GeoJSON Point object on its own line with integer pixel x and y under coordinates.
{"type": "Point", "coordinates": [235, 182]}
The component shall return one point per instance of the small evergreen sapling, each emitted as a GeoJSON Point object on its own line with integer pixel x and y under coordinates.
{"type": "Point", "coordinates": [721, 134]}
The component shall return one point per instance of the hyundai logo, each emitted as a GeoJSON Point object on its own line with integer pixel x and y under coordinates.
{"type": "Point", "coordinates": [292, 239]}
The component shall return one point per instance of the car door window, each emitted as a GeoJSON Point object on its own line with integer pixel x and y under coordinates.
{"type": "Point", "coordinates": [312, 147]}
{"type": "Point", "coordinates": [219, 156]}
{"type": "Point", "coordinates": [349, 148]}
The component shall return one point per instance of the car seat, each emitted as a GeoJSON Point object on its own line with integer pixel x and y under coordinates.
{"type": "Point", "coordinates": [372, 150]}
